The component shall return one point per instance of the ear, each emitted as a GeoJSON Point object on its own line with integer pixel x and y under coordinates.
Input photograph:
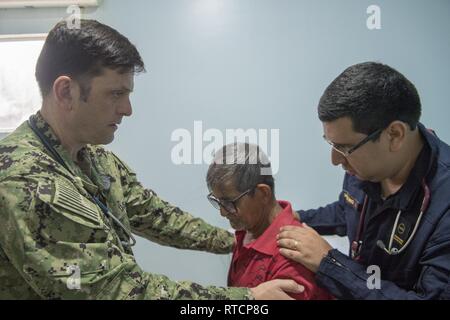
{"type": "Point", "coordinates": [64, 90]}
{"type": "Point", "coordinates": [265, 193]}
{"type": "Point", "coordinates": [397, 132]}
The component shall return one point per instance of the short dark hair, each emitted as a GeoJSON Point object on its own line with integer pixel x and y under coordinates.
{"type": "Point", "coordinates": [372, 95]}
{"type": "Point", "coordinates": [243, 164]}
{"type": "Point", "coordinates": [82, 53]}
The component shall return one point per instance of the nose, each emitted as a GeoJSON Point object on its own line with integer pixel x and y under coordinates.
{"type": "Point", "coordinates": [125, 108]}
{"type": "Point", "coordinates": [224, 213]}
{"type": "Point", "coordinates": [337, 158]}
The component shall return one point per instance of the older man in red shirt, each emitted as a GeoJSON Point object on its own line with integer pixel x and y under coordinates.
{"type": "Point", "coordinates": [242, 187]}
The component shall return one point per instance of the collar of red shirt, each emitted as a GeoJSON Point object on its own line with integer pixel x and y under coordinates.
{"type": "Point", "coordinates": [267, 243]}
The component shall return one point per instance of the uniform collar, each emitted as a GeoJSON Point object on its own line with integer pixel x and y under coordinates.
{"type": "Point", "coordinates": [266, 242]}
{"type": "Point", "coordinates": [80, 179]}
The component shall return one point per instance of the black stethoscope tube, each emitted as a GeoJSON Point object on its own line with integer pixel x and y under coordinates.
{"type": "Point", "coordinates": [357, 243]}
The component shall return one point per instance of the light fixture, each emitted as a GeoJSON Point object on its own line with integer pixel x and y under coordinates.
{"type": "Point", "coordinates": [46, 3]}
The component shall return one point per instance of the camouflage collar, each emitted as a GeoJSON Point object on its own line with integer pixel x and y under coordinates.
{"type": "Point", "coordinates": [45, 129]}
{"type": "Point", "coordinates": [83, 156]}
{"type": "Point", "coordinates": [53, 140]}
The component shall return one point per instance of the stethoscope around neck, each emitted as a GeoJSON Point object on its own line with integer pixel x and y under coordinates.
{"type": "Point", "coordinates": [55, 155]}
{"type": "Point", "coordinates": [356, 244]}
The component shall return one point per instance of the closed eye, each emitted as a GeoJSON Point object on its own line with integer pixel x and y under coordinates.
{"type": "Point", "coordinates": [338, 145]}
{"type": "Point", "coordinates": [118, 93]}
{"type": "Point", "coordinates": [342, 146]}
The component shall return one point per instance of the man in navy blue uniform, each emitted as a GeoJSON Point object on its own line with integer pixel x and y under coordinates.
{"type": "Point", "coordinates": [395, 202]}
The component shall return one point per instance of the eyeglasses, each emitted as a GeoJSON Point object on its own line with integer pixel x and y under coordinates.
{"type": "Point", "coordinates": [348, 150]}
{"type": "Point", "coordinates": [228, 205]}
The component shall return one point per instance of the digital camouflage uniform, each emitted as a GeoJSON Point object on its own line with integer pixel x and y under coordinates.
{"type": "Point", "coordinates": [50, 232]}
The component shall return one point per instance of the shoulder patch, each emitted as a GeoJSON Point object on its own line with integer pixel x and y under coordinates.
{"type": "Point", "coordinates": [68, 200]}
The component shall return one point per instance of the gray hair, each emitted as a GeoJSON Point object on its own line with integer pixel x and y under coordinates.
{"type": "Point", "coordinates": [243, 164]}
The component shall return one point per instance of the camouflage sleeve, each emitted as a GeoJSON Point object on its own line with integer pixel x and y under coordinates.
{"type": "Point", "coordinates": [156, 220]}
{"type": "Point", "coordinates": [64, 251]}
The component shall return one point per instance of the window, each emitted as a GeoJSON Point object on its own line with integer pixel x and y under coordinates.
{"type": "Point", "coordinates": [19, 91]}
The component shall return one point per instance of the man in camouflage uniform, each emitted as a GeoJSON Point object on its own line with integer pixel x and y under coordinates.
{"type": "Point", "coordinates": [57, 240]}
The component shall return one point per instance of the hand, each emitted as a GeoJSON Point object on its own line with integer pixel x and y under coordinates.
{"type": "Point", "coordinates": [303, 245]}
{"type": "Point", "coordinates": [276, 290]}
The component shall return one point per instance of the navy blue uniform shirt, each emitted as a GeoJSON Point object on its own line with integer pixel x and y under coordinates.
{"type": "Point", "coordinates": [422, 270]}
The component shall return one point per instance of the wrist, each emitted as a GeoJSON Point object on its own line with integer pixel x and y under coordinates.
{"type": "Point", "coordinates": [252, 293]}
{"type": "Point", "coordinates": [325, 255]}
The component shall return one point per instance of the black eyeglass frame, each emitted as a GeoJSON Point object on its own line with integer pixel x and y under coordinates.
{"type": "Point", "coordinates": [217, 203]}
{"type": "Point", "coordinates": [348, 152]}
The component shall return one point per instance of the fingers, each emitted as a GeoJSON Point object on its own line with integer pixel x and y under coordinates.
{"type": "Point", "coordinates": [290, 228]}
{"type": "Point", "coordinates": [282, 296]}
{"type": "Point", "coordinates": [288, 235]}
{"type": "Point", "coordinates": [295, 228]}
{"type": "Point", "coordinates": [291, 254]}
{"type": "Point", "coordinates": [276, 289]}
{"type": "Point", "coordinates": [289, 243]}
{"type": "Point", "coordinates": [306, 226]}
{"type": "Point", "coordinates": [290, 286]}
{"type": "Point", "coordinates": [293, 231]}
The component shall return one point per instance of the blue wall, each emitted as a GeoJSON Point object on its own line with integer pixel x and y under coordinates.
{"type": "Point", "coordinates": [259, 64]}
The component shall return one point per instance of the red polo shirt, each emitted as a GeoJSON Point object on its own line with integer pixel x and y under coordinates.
{"type": "Point", "coordinates": [260, 260]}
